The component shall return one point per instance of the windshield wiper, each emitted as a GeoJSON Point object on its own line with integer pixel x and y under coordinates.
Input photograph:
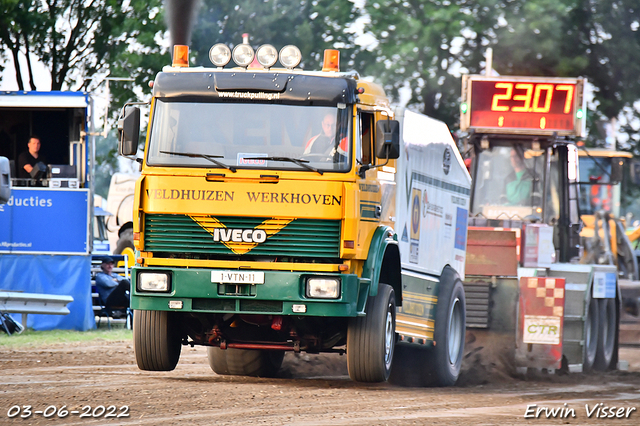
{"type": "Point", "coordinates": [297, 161]}
{"type": "Point", "coordinates": [205, 156]}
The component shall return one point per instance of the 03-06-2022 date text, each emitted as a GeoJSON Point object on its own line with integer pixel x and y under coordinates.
{"type": "Point", "coordinates": [109, 411]}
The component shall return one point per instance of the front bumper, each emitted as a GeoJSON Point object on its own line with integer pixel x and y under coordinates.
{"type": "Point", "coordinates": [277, 296]}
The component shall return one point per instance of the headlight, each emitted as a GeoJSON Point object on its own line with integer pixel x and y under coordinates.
{"type": "Point", "coordinates": [243, 55]}
{"type": "Point", "coordinates": [323, 288]}
{"type": "Point", "coordinates": [290, 56]}
{"type": "Point", "coordinates": [267, 55]}
{"type": "Point", "coordinates": [220, 55]}
{"type": "Point", "coordinates": [153, 281]}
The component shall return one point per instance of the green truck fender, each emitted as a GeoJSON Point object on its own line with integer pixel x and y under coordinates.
{"type": "Point", "coordinates": [382, 265]}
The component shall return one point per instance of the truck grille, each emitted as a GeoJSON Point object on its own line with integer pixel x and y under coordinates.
{"type": "Point", "coordinates": [182, 236]}
{"type": "Point", "coordinates": [229, 305]}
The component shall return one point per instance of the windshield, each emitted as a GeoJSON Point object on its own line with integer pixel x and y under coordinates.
{"type": "Point", "coordinates": [508, 183]}
{"type": "Point", "coordinates": [249, 135]}
{"type": "Point", "coordinates": [595, 169]}
{"type": "Point", "coordinates": [598, 195]}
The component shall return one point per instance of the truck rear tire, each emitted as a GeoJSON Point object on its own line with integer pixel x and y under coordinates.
{"type": "Point", "coordinates": [371, 339]}
{"type": "Point", "coordinates": [450, 325]}
{"type": "Point", "coordinates": [606, 334]}
{"type": "Point", "coordinates": [156, 340]}
{"type": "Point", "coordinates": [217, 360]}
{"type": "Point", "coordinates": [248, 362]}
{"type": "Point", "coordinates": [437, 365]}
{"type": "Point", "coordinates": [591, 327]}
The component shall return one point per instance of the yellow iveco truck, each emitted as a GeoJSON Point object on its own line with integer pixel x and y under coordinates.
{"type": "Point", "coordinates": [289, 210]}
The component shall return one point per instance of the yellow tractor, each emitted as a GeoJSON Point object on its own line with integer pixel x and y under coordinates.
{"type": "Point", "coordinates": [606, 237]}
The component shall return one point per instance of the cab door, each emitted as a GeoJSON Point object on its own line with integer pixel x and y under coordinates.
{"type": "Point", "coordinates": [370, 206]}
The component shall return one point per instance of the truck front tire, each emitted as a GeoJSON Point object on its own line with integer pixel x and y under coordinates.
{"type": "Point", "coordinates": [371, 339]}
{"type": "Point", "coordinates": [156, 340]}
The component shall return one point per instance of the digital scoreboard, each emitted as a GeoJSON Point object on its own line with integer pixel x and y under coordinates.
{"type": "Point", "coordinates": [523, 105]}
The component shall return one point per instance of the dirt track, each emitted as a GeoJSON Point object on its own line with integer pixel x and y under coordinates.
{"type": "Point", "coordinates": [105, 374]}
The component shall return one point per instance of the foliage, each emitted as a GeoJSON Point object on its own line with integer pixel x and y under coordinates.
{"type": "Point", "coordinates": [79, 40]}
{"type": "Point", "coordinates": [311, 25]}
{"type": "Point", "coordinates": [427, 43]}
{"type": "Point", "coordinates": [424, 44]}
{"type": "Point", "coordinates": [81, 43]}
{"type": "Point", "coordinates": [599, 40]}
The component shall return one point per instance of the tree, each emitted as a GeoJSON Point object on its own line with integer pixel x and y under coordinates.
{"type": "Point", "coordinates": [610, 38]}
{"type": "Point", "coordinates": [77, 40]}
{"type": "Point", "coordinates": [424, 44]}
{"type": "Point", "coordinates": [17, 20]}
{"type": "Point", "coordinates": [593, 38]}
{"type": "Point", "coordinates": [310, 25]}
{"type": "Point", "coordinates": [596, 39]}
{"type": "Point", "coordinates": [81, 43]}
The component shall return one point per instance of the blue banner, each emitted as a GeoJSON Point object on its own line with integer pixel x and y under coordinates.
{"type": "Point", "coordinates": [45, 221]}
{"type": "Point", "coordinates": [60, 275]}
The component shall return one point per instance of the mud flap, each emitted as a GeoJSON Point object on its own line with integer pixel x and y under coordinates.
{"type": "Point", "coordinates": [540, 323]}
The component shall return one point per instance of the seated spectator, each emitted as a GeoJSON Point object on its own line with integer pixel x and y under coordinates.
{"type": "Point", "coordinates": [113, 288]}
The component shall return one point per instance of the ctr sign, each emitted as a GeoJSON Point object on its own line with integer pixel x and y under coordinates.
{"type": "Point", "coordinates": [541, 329]}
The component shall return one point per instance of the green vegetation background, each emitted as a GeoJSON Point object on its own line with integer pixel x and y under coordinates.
{"type": "Point", "coordinates": [416, 47]}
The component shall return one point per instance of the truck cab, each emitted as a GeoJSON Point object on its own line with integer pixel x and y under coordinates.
{"type": "Point", "coordinates": [264, 219]}
{"type": "Point", "coordinates": [527, 180]}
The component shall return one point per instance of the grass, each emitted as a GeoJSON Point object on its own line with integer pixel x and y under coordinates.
{"type": "Point", "coordinates": [32, 338]}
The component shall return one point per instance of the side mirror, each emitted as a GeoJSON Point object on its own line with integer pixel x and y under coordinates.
{"type": "Point", "coordinates": [129, 130]}
{"type": "Point", "coordinates": [388, 139]}
{"type": "Point", "coordinates": [5, 180]}
{"type": "Point", "coordinates": [616, 170]}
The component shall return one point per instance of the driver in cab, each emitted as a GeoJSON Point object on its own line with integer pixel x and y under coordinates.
{"type": "Point", "coordinates": [325, 144]}
{"type": "Point", "coordinates": [519, 182]}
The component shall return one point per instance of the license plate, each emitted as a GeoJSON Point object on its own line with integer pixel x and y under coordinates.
{"type": "Point", "coordinates": [237, 277]}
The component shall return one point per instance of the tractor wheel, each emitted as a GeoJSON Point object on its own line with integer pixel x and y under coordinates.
{"type": "Point", "coordinates": [591, 331]}
{"type": "Point", "coordinates": [606, 334]}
